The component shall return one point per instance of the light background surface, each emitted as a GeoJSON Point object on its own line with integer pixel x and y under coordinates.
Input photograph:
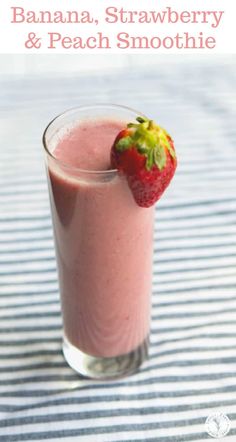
{"type": "Point", "coordinates": [192, 368]}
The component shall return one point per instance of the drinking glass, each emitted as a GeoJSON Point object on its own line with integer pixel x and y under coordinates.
{"type": "Point", "coordinates": [103, 242]}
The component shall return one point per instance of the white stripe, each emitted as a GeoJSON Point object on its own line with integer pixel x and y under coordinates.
{"type": "Point", "coordinates": [103, 422]}
{"type": "Point", "coordinates": [203, 412]}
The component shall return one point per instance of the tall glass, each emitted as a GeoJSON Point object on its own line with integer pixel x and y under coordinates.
{"type": "Point", "coordinates": [103, 242]}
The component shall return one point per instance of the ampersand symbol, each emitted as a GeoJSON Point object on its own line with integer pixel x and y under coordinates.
{"type": "Point", "coordinates": [33, 41]}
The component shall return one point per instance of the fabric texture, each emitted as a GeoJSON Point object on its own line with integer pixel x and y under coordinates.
{"type": "Point", "coordinates": [191, 372]}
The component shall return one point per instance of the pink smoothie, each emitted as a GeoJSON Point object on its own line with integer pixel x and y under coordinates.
{"type": "Point", "coordinates": [103, 243]}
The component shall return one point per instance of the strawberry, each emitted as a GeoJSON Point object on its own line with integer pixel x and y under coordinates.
{"type": "Point", "coordinates": [145, 154]}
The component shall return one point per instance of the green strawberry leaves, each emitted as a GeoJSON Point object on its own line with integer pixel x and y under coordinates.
{"type": "Point", "coordinates": [160, 157]}
{"type": "Point", "coordinates": [124, 143]}
{"type": "Point", "coordinates": [150, 140]}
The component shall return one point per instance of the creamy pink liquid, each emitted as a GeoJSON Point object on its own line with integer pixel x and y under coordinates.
{"type": "Point", "coordinates": [104, 246]}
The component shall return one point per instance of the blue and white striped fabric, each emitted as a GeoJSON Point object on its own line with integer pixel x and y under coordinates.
{"type": "Point", "coordinates": [192, 368]}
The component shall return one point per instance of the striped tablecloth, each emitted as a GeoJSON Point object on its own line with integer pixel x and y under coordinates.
{"type": "Point", "coordinates": [192, 368]}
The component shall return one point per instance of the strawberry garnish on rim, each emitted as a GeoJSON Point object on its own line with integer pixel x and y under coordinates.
{"type": "Point", "coordinates": [144, 152]}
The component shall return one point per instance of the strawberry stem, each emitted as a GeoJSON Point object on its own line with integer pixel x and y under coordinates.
{"type": "Point", "coordinates": [151, 125]}
{"type": "Point", "coordinates": [150, 140]}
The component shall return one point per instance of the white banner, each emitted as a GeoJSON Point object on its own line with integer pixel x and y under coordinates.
{"type": "Point", "coordinates": [118, 26]}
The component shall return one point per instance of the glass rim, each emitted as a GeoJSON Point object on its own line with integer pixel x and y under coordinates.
{"type": "Point", "coordinates": [83, 107]}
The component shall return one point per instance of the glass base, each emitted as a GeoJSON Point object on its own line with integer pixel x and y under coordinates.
{"type": "Point", "coordinates": [102, 367]}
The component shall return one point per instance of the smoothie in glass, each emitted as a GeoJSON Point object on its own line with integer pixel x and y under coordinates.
{"type": "Point", "coordinates": [103, 244]}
